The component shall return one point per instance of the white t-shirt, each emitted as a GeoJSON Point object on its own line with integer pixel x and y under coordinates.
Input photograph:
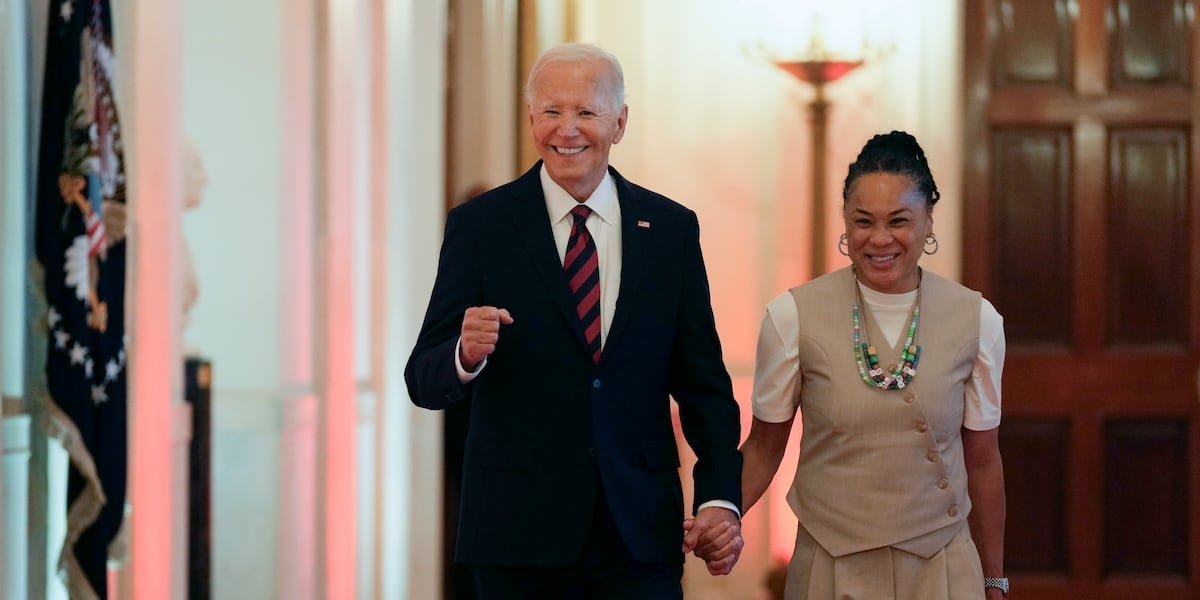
{"type": "Point", "coordinates": [777, 368]}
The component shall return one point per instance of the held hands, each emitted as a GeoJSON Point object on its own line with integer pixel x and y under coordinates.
{"type": "Point", "coordinates": [715, 535]}
{"type": "Point", "coordinates": [480, 332]}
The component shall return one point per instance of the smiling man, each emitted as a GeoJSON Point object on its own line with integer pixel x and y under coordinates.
{"type": "Point", "coordinates": [571, 305]}
{"type": "Point", "coordinates": [576, 112]}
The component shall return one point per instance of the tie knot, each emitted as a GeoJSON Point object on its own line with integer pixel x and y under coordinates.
{"type": "Point", "coordinates": [581, 213]}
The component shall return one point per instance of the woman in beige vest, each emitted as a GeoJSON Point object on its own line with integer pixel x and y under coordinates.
{"type": "Point", "coordinates": [895, 372]}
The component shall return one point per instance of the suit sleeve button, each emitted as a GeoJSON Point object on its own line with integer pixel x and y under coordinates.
{"type": "Point", "coordinates": [596, 383]}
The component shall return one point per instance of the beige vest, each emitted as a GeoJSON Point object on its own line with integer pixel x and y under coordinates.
{"type": "Point", "coordinates": [883, 468]}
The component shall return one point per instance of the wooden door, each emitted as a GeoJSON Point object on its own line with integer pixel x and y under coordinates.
{"type": "Point", "coordinates": [1082, 221]}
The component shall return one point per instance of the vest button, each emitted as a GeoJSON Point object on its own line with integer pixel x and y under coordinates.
{"type": "Point", "coordinates": [908, 398]}
{"type": "Point", "coordinates": [932, 456]}
{"type": "Point", "coordinates": [596, 383]}
{"type": "Point", "coordinates": [922, 427]}
{"type": "Point", "coordinates": [953, 511]}
{"type": "Point", "coordinates": [944, 483]}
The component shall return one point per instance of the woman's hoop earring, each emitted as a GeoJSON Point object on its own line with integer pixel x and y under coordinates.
{"type": "Point", "coordinates": [931, 239]}
{"type": "Point", "coordinates": [844, 245]}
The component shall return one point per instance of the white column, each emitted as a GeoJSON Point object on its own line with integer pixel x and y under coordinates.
{"type": "Point", "coordinates": [411, 520]}
{"type": "Point", "coordinates": [15, 190]}
{"type": "Point", "coordinates": [371, 236]}
{"type": "Point", "coordinates": [14, 434]}
{"type": "Point", "coordinates": [153, 115]}
{"type": "Point", "coordinates": [297, 566]}
{"type": "Point", "coordinates": [14, 474]}
{"type": "Point", "coordinates": [30, 463]}
{"type": "Point", "coordinates": [341, 149]}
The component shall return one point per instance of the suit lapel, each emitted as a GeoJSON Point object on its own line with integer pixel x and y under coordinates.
{"type": "Point", "coordinates": [634, 249]}
{"type": "Point", "coordinates": [532, 226]}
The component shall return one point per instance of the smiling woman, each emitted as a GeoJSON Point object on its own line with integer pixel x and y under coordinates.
{"type": "Point", "coordinates": [883, 239]}
{"type": "Point", "coordinates": [871, 410]}
{"type": "Point", "coordinates": [888, 208]}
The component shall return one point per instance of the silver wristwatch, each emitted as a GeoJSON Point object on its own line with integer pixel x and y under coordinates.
{"type": "Point", "coordinates": [997, 582]}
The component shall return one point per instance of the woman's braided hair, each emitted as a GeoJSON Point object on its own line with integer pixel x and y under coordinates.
{"type": "Point", "coordinates": [898, 153]}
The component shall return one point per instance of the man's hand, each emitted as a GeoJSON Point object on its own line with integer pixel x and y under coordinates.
{"type": "Point", "coordinates": [715, 535]}
{"type": "Point", "coordinates": [480, 332]}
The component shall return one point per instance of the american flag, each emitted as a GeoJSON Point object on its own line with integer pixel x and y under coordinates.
{"type": "Point", "coordinates": [80, 183]}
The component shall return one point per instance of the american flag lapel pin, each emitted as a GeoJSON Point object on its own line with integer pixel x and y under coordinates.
{"type": "Point", "coordinates": [643, 224]}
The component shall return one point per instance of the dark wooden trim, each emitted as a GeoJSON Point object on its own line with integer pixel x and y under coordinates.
{"type": "Point", "coordinates": [976, 193]}
{"type": "Point", "coordinates": [1042, 105]}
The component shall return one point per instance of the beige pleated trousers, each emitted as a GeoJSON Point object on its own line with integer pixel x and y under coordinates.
{"type": "Point", "coordinates": [954, 573]}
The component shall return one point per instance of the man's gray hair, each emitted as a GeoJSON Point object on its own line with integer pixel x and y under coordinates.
{"type": "Point", "coordinates": [574, 53]}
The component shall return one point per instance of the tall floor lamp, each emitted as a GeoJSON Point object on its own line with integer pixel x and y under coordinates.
{"type": "Point", "coordinates": [818, 69]}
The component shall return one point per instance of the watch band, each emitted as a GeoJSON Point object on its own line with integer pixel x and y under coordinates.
{"type": "Point", "coordinates": [1000, 583]}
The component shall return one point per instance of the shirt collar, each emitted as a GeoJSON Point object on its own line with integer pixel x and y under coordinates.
{"type": "Point", "coordinates": [559, 203]}
{"type": "Point", "coordinates": [886, 300]}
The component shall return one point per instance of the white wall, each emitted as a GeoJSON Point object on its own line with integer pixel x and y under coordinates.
{"type": "Point", "coordinates": [321, 136]}
{"type": "Point", "coordinates": [233, 113]}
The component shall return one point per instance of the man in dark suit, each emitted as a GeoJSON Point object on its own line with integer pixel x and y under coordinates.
{"type": "Point", "coordinates": [569, 328]}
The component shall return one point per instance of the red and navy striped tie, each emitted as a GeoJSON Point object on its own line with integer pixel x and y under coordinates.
{"type": "Point", "coordinates": [583, 275]}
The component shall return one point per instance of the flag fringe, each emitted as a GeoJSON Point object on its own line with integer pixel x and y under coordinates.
{"type": "Point", "coordinates": [86, 507]}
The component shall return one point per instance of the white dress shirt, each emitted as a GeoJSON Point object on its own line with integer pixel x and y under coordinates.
{"type": "Point", "coordinates": [605, 226]}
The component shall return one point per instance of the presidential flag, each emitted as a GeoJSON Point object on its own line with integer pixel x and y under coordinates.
{"type": "Point", "coordinates": [80, 249]}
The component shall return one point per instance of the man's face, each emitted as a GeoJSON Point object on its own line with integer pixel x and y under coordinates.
{"type": "Point", "coordinates": [575, 123]}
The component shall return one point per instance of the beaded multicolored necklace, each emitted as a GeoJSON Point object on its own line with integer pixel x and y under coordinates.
{"type": "Point", "coordinates": [868, 361]}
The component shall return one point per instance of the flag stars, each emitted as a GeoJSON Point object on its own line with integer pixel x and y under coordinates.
{"type": "Point", "coordinates": [78, 354]}
{"type": "Point", "coordinates": [111, 370]}
{"type": "Point", "coordinates": [60, 339]}
{"type": "Point", "coordinates": [99, 396]}
{"type": "Point", "coordinates": [53, 317]}
{"type": "Point", "coordinates": [66, 10]}
{"type": "Point", "coordinates": [87, 368]}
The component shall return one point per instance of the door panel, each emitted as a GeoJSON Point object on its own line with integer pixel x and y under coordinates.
{"type": "Point", "coordinates": [1145, 500]}
{"type": "Point", "coordinates": [1147, 217]}
{"type": "Point", "coordinates": [1084, 222]}
{"type": "Point", "coordinates": [1037, 540]}
{"type": "Point", "coordinates": [1032, 196]}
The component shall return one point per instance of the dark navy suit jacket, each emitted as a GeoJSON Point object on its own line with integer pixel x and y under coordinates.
{"type": "Point", "coordinates": [549, 428]}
